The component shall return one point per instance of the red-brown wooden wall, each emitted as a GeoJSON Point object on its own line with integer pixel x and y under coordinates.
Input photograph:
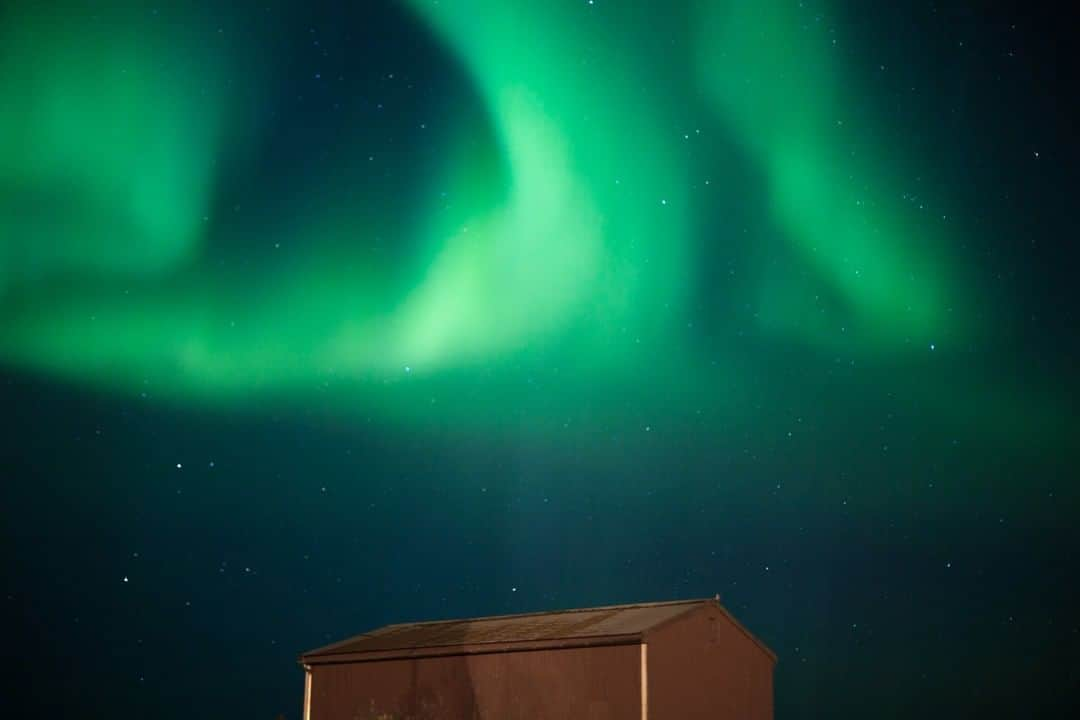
{"type": "Point", "coordinates": [592, 683]}
{"type": "Point", "coordinates": [701, 666]}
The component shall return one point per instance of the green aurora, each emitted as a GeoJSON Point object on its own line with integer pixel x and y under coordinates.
{"type": "Point", "coordinates": [560, 225]}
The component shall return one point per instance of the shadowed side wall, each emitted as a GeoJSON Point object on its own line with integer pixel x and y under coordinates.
{"type": "Point", "coordinates": [703, 666]}
{"type": "Point", "coordinates": [595, 683]}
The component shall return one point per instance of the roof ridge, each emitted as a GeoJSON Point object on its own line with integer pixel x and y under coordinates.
{"type": "Point", "coordinates": [514, 628]}
{"type": "Point", "coordinates": [625, 606]}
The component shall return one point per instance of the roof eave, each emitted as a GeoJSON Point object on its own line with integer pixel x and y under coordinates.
{"type": "Point", "coordinates": [331, 658]}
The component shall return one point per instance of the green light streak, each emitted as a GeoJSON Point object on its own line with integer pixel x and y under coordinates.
{"type": "Point", "coordinates": [106, 148]}
{"type": "Point", "coordinates": [771, 73]}
{"type": "Point", "coordinates": [573, 241]}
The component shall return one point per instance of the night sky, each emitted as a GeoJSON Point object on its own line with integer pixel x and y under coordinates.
{"type": "Point", "coordinates": [320, 316]}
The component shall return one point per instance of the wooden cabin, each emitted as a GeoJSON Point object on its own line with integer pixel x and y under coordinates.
{"type": "Point", "coordinates": [681, 660]}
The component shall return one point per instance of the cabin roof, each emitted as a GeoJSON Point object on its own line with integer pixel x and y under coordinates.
{"type": "Point", "coordinates": [582, 627]}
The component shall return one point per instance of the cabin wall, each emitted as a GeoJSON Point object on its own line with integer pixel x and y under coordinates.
{"type": "Point", "coordinates": [595, 683]}
{"type": "Point", "coordinates": [702, 666]}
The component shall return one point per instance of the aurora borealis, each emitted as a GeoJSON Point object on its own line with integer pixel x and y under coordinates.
{"type": "Point", "coordinates": [582, 222]}
{"type": "Point", "coordinates": [413, 305]}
